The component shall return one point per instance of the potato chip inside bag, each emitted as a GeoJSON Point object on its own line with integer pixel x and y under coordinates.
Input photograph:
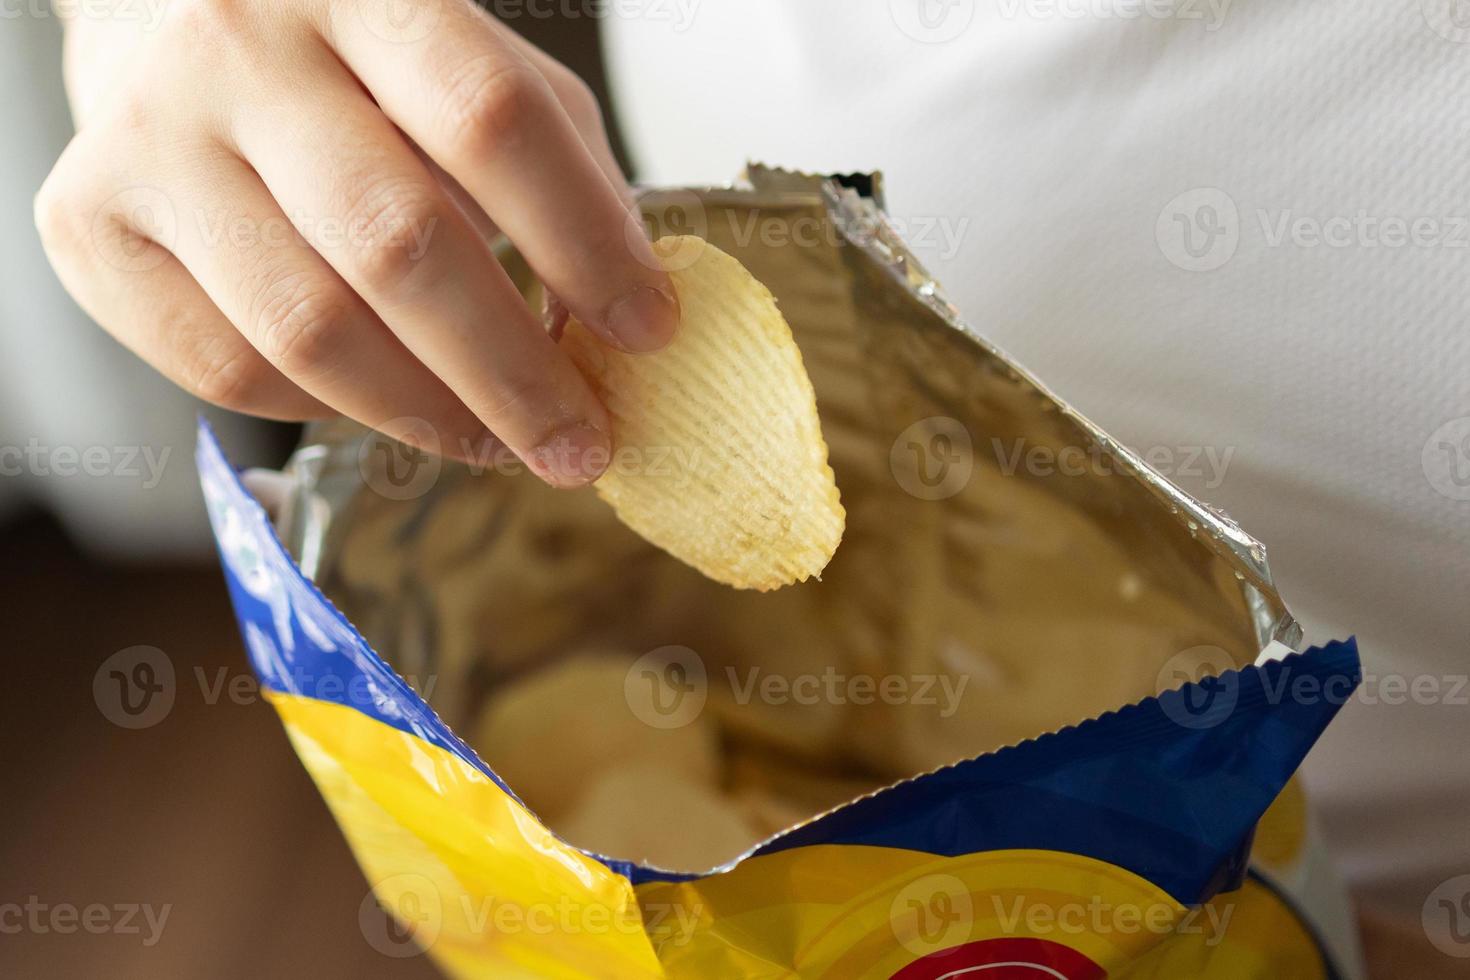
{"type": "Point", "coordinates": [1039, 716]}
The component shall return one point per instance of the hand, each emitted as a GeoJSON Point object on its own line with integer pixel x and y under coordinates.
{"type": "Point", "coordinates": [284, 207]}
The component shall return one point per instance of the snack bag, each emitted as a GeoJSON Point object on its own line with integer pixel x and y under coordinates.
{"type": "Point", "coordinates": [1034, 720]}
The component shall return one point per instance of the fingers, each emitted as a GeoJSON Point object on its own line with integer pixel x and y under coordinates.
{"type": "Point", "coordinates": [137, 291]}
{"type": "Point", "coordinates": [290, 305]}
{"type": "Point", "coordinates": [471, 99]}
{"type": "Point", "coordinates": [417, 261]}
{"type": "Point", "coordinates": [411, 320]}
{"type": "Point", "coordinates": [580, 105]}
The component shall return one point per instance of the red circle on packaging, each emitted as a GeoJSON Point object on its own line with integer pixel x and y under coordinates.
{"type": "Point", "coordinates": [1004, 959]}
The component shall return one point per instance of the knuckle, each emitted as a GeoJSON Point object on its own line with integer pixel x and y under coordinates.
{"type": "Point", "coordinates": [606, 242]}
{"type": "Point", "coordinates": [131, 112]}
{"type": "Point", "coordinates": [57, 220]}
{"type": "Point", "coordinates": [603, 245]}
{"type": "Point", "coordinates": [490, 104]}
{"type": "Point", "coordinates": [228, 378]}
{"type": "Point", "coordinates": [67, 201]}
{"type": "Point", "coordinates": [302, 326]}
{"type": "Point", "coordinates": [390, 222]}
{"type": "Point", "coordinates": [209, 20]}
{"type": "Point", "coordinates": [517, 394]}
{"type": "Point", "coordinates": [581, 104]}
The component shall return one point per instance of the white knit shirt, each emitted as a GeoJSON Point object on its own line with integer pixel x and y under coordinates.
{"type": "Point", "coordinates": [1229, 226]}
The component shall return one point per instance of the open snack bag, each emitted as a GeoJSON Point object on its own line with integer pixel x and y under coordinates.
{"type": "Point", "coordinates": [1037, 717]}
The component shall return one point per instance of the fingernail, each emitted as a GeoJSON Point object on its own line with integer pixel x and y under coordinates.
{"type": "Point", "coordinates": [573, 457]}
{"type": "Point", "coordinates": [644, 320]}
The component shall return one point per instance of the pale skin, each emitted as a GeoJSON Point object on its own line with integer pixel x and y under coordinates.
{"type": "Point", "coordinates": [287, 208]}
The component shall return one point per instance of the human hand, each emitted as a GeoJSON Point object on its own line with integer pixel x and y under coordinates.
{"type": "Point", "coordinates": [284, 207]}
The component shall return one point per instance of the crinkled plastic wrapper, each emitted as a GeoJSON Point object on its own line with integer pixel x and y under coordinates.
{"type": "Point", "coordinates": [1039, 718]}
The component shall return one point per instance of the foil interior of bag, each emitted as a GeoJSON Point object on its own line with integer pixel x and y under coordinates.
{"type": "Point", "coordinates": [975, 600]}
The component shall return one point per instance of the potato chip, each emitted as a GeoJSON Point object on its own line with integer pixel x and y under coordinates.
{"type": "Point", "coordinates": [719, 457]}
{"type": "Point", "coordinates": [549, 734]}
{"type": "Point", "coordinates": [651, 815]}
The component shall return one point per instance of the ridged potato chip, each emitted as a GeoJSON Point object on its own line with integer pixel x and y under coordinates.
{"type": "Point", "coordinates": [548, 734]}
{"type": "Point", "coordinates": [651, 815]}
{"type": "Point", "coordinates": [718, 453]}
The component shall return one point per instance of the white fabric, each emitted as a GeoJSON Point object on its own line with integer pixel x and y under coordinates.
{"type": "Point", "coordinates": [1053, 140]}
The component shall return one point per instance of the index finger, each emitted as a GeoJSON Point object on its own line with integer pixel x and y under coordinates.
{"type": "Point", "coordinates": [474, 103]}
